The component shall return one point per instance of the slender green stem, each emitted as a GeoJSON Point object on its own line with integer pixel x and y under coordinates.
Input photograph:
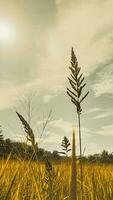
{"type": "Point", "coordinates": [81, 166]}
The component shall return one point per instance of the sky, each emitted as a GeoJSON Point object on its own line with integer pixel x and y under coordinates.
{"type": "Point", "coordinates": [36, 38]}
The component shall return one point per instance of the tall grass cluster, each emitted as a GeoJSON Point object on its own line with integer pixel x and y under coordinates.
{"type": "Point", "coordinates": [24, 180]}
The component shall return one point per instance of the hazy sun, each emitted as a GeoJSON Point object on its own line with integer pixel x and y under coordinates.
{"type": "Point", "coordinates": [7, 32]}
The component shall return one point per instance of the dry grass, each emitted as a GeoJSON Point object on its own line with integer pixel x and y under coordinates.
{"type": "Point", "coordinates": [30, 181]}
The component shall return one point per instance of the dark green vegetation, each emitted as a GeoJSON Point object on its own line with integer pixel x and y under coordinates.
{"type": "Point", "coordinates": [24, 151]}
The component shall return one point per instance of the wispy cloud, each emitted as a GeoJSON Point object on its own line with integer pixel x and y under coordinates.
{"type": "Point", "coordinates": [60, 128]}
{"type": "Point", "coordinates": [104, 115]}
{"type": "Point", "coordinates": [85, 25]}
{"type": "Point", "coordinates": [106, 130]}
{"type": "Point", "coordinates": [104, 81]}
{"type": "Point", "coordinates": [93, 110]}
{"type": "Point", "coordinates": [79, 25]}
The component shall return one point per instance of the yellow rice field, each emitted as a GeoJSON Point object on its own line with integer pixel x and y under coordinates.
{"type": "Point", "coordinates": [25, 180]}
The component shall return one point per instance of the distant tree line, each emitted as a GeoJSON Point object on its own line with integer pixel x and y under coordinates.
{"type": "Point", "coordinates": [104, 157]}
{"type": "Point", "coordinates": [21, 150]}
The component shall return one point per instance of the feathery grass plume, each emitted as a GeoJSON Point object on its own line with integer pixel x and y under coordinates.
{"type": "Point", "coordinates": [30, 135]}
{"type": "Point", "coordinates": [66, 146]}
{"type": "Point", "coordinates": [49, 176]}
{"type": "Point", "coordinates": [52, 181]}
{"type": "Point", "coordinates": [77, 84]}
{"type": "Point", "coordinates": [74, 170]}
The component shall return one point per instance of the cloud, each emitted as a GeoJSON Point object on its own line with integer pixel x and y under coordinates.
{"type": "Point", "coordinates": [93, 110]}
{"type": "Point", "coordinates": [86, 26]}
{"type": "Point", "coordinates": [8, 94]}
{"type": "Point", "coordinates": [11, 93]}
{"type": "Point", "coordinates": [106, 130]}
{"type": "Point", "coordinates": [63, 127]}
{"type": "Point", "coordinates": [104, 81]}
{"type": "Point", "coordinates": [57, 130]}
{"type": "Point", "coordinates": [104, 115]}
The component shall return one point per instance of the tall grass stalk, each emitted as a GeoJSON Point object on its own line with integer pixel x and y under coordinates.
{"type": "Point", "coordinates": [30, 135]}
{"type": "Point", "coordinates": [74, 170]}
{"type": "Point", "coordinates": [76, 81]}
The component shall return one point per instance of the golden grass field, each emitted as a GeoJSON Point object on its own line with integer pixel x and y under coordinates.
{"type": "Point", "coordinates": [25, 180]}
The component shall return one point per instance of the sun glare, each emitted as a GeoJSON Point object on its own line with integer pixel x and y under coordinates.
{"type": "Point", "coordinates": [7, 32]}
